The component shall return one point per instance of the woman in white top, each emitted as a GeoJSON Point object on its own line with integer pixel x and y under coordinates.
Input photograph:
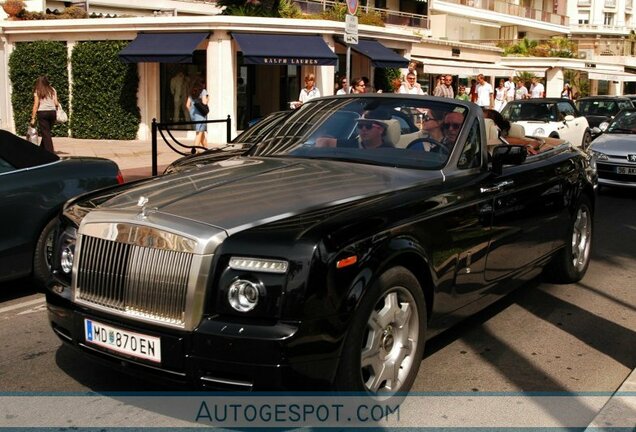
{"type": "Point", "coordinates": [309, 92]}
{"type": "Point", "coordinates": [44, 105]}
{"type": "Point", "coordinates": [500, 95]}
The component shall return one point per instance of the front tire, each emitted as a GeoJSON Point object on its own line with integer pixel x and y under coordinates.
{"type": "Point", "coordinates": [571, 262]}
{"type": "Point", "coordinates": [383, 349]}
{"type": "Point", "coordinates": [587, 139]}
{"type": "Point", "coordinates": [43, 255]}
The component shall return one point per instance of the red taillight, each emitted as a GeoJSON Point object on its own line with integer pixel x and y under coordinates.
{"type": "Point", "coordinates": [120, 178]}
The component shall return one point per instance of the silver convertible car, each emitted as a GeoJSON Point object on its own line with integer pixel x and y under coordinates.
{"type": "Point", "coordinates": [615, 151]}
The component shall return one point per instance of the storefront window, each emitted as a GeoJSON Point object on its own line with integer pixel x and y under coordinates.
{"type": "Point", "coordinates": [176, 80]}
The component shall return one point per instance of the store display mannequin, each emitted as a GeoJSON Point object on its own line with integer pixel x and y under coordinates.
{"type": "Point", "coordinates": [178, 88]}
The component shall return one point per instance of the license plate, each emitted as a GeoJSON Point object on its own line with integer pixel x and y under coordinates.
{"type": "Point", "coordinates": [626, 170]}
{"type": "Point", "coordinates": [134, 344]}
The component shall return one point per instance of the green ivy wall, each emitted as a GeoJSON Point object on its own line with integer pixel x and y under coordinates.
{"type": "Point", "coordinates": [104, 88]}
{"type": "Point", "coordinates": [28, 61]}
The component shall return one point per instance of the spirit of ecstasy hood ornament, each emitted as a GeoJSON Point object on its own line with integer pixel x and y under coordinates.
{"type": "Point", "coordinates": [141, 202]}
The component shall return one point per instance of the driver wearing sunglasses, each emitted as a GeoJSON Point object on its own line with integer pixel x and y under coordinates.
{"type": "Point", "coordinates": [371, 129]}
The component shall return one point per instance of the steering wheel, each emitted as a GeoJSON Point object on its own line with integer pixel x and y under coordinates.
{"type": "Point", "coordinates": [436, 146]}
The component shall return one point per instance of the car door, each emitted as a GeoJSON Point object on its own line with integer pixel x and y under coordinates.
{"type": "Point", "coordinates": [528, 200]}
{"type": "Point", "coordinates": [573, 130]}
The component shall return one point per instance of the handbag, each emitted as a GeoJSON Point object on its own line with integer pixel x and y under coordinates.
{"type": "Point", "coordinates": [201, 107]}
{"type": "Point", "coordinates": [60, 114]}
{"type": "Point", "coordinates": [32, 135]}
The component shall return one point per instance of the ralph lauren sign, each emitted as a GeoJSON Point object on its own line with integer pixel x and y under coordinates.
{"type": "Point", "coordinates": [289, 61]}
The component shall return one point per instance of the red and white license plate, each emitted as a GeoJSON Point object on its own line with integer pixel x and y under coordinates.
{"type": "Point", "coordinates": [134, 344]}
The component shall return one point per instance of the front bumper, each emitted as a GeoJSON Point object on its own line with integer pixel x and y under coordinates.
{"type": "Point", "coordinates": [608, 175]}
{"type": "Point", "coordinates": [216, 355]}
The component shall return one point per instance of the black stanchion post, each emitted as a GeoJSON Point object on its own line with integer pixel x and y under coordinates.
{"type": "Point", "coordinates": [154, 147]}
{"type": "Point", "coordinates": [228, 129]}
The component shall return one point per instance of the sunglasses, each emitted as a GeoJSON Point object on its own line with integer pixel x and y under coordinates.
{"type": "Point", "coordinates": [367, 125]}
{"type": "Point", "coordinates": [452, 125]}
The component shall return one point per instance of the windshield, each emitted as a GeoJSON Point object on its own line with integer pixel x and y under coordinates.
{"type": "Point", "coordinates": [624, 122]}
{"type": "Point", "coordinates": [541, 111]}
{"type": "Point", "coordinates": [605, 108]}
{"type": "Point", "coordinates": [375, 129]}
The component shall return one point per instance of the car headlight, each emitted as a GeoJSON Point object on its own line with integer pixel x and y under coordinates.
{"type": "Point", "coordinates": [603, 126]}
{"type": "Point", "coordinates": [599, 156]}
{"type": "Point", "coordinates": [66, 259]}
{"type": "Point", "coordinates": [258, 265]}
{"type": "Point", "coordinates": [539, 132]}
{"type": "Point", "coordinates": [243, 295]}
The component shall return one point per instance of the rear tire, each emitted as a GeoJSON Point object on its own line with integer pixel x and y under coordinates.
{"type": "Point", "coordinates": [385, 343]}
{"type": "Point", "coordinates": [571, 262]}
{"type": "Point", "coordinates": [43, 254]}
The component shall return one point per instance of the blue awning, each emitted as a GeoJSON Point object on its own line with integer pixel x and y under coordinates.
{"type": "Point", "coordinates": [162, 47]}
{"type": "Point", "coordinates": [284, 49]}
{"type": "Point", "coordinates": [379, 55]}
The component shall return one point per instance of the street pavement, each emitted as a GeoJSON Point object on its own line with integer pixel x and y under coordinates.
{"type": "Point", "coordinates": [135, 161]}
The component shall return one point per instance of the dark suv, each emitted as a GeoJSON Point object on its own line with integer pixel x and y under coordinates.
{"type": "Point", "coordinates": [601, 109]}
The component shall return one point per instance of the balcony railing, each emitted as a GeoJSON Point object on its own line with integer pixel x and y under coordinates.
{"type": "Point", "coordinates": [628, 4]}
{"type": "Point", "coordinates": [506, 8]}
{"type": "Point", "coordinates": [390, 17]}
{"type": "Point", "coordinates": [584, 3]}
{"type": "Point", "coordinates": [610, 3]}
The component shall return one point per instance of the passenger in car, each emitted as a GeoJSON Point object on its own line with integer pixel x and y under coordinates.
{"type": "Point", "coordinates": [451, 125]}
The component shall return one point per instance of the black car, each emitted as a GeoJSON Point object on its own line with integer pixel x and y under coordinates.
{"type": "Point", "coordinates": [326, 257]}
{"type": "Point", "coordinates": [34, 184]}
{"type": "Point", "coordinates": [601, 109]}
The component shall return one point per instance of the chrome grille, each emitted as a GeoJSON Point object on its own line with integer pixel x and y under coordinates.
{"type": "Point", "coordinates": [139, 281]}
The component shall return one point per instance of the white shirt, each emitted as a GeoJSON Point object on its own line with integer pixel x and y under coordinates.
{"type": "Point", "coordinates": [341, 91]}
{"type": "Point", "coordinates": [416, 90]}
{"type": "Point", "coordinates": [536, 90]}
{"type": "Point", "coordinates": [483, 94]}
{"type": "Point", "coordinates": [510, 90]}
{"type": "Point", "coordinates": [305, 95]}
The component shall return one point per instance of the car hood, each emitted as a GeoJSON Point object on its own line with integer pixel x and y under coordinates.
{"type": "Point", "coordinates": [244, 192]}
{"type": "Point", "coordinates": [597, 120]}
{"type": "Point", "coordinates": [616, 144]}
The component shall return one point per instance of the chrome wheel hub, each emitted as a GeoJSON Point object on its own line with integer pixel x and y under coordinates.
{"type": "Point", "coordinates": [581, 237]}
{"type": "Point", "coordinates": [390, 342]}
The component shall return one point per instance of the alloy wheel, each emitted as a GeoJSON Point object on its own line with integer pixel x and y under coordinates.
{"type": "Point", "coordinates": [581, 238]}
{"type": "Point", "coordinates": [390, 342]}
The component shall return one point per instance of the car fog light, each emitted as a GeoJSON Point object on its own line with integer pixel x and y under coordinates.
{"type": "Point", "coordinates": [259, 265]}
{"type": "Point", "coordinates": [66, 261]}
{"type": "Point", "coordinates": [243, 295]}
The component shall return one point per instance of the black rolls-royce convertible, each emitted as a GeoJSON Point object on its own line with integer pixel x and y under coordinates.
{"type": "Point", "coordinates": [327, 255]}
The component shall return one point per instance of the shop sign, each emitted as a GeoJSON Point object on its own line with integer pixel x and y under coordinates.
{"type": "Point", "coordinates": [289, 61]}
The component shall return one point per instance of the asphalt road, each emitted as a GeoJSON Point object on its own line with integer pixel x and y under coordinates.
{"type": "Point", "coordinates": [543, 337]}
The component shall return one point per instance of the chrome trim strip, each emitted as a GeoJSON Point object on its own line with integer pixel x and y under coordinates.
{"type": "Point", "coordinates": [140, 235]}
{"type": "Point", "coordinates": [244, 384]}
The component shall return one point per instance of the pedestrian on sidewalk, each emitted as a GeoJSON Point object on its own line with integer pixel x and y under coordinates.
{"type": "Point", "coordinates": [501, 93]}
{"type": "Point", "coordinates": [484, 92]}
{"type": "Point", "coordinates": [44, 104]}
{"type": "Point", "coordinates": [198, 92]}
{"type": "Point", "coordinates": [445, 87]}
{"type": "Point", "coordinates": [411, 86]}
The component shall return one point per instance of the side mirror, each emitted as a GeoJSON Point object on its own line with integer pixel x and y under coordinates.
{"type": "Point", "coordinates": [603, 126]}
{"type": "Point", "coordinates": [507, 155]}
{"type": "Point", "coordinates": [596, 131]}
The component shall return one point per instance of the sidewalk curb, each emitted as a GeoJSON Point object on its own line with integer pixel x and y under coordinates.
{"type": "Point", "coordinates": [620, 410]}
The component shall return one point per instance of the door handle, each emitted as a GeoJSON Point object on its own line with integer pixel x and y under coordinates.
{"type": "Point", "coordinates": [498, 187]}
